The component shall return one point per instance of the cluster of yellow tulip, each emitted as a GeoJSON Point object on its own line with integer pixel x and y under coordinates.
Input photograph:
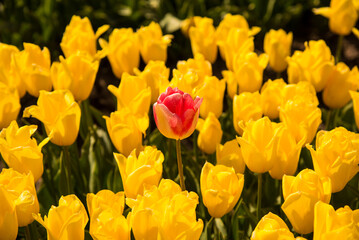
{"type": "Point", "coordinates": [274, 122]}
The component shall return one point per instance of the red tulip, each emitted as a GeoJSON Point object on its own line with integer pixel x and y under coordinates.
{"type": "Point", "coordinates": [176, 113]}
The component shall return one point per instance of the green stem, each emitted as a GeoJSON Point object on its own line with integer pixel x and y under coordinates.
{"type": "Point", "coordinates": [27, 233]}
{"type": "Point", "coordinates": [259, 196]}
{"type": "Point", "coordinates": [210, 221]}
{"type": "Point", "coordinates": [67, 168]}
{"type": "Point", "coordinates": [87, 114]}
{"type": "Point", "coordinates": [339, 48]}
{"type": "Point", "coordinates": [327, 123]}
{"type": "Point", "coordinates": [179, 163]}
{"type": "Point", "coordinates": [353, 190]}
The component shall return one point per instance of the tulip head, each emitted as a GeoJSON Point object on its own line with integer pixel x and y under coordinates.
{"type": "Point", "coordinates": [355, 98]}
{"type": "Point", "coordinates": [136, 172]}
{"type": "Point", "coordinates": [301, 193]}
{"type": "Point", "coordinates": [176, 113]}
{"type": "Point", "coordinates": [9, 105]}
{"type": "Point", "coordinates": [336, 156]}
{"type": "Point", "coordinates": [210, 133]}
{"type": "Point", "coordinates": [66, 221]}
{"type": "Point", "coordinates": [106, 219]}
{"type": "Point", "coordinates": [20, 151]}
{"type": "Point", "coordinates": [221, 188]}
{"type": "Point", "coordinates": [76, 73]}
{"type": "Point", "coordinates": [21, 188]}
{"type": "Point", "coordinates": [8, 217]}
{"type": "Point", "coordinates": [230, 155]}
{"type": "Point", "coordinates": [330, 224]}
{"type": "Point", "coordinates": [59, 113]}
{"type": "Point", "coordinates": [272, 97]}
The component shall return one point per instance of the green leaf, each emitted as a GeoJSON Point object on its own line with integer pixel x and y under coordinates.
{"type": "Point", "coordinates": [220, 226]}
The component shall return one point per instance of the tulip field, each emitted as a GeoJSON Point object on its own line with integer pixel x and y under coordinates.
{"type": "Point", "coordinates": [179, 120]}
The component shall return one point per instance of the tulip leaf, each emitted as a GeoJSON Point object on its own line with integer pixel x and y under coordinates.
{"type": "Point", "coordinates": [220, 226]}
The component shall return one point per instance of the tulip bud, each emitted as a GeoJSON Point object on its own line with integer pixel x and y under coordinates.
{"type": "Point", "coordinates": [126, 129]}
{"type": "Point", "coordinates": [342, 80]}
{"type": "Point", "coordinates": [176, 113]}
{"type": "Point", "coordinates": [232, 85]}
{"type": "Point", "coordinates": [156, 75]}
{"type": "Point", "coordinates": [336, 156]}
{"type": "Point", "coordinates": [79, 36]}
{"type": "Point", "coordinates": [9, 105]}
{"type": "Point", "coordinates": [59, 113]}
{"type": "Point", "coordinates": [230, 155]}
{"type": "Point", "coordinates": [259, 144]}
{"type": "Point", "coordinates": [271, 227]}
{"type": "Point", "coordinates": [203, 38]}
{"type": "Point", "coordinates": [277, 44]}
{"type": "Point", "coordinates": [33, 65]}
{"type": "Point", "coordinates": [313, 65]}
{"type": "Point", "coordinates": [21, 188]}
{"type": "Point", "coordinates": [153, 45]}
{"type": "Point", "coordinates": [8, 71]}
{"type": "Point", "coordinates": [66, 221]}
{"type": "Point", "coordinates": [132, 93]}
{"type": "Point", "coordinates": [246, 106]}
{"type": "Point", "coordinates": [301, 193]}
{"type": "Point", "coordinates": [342, 16]}
{"type": "Point", "coordinates": [221, 188]}
{"type": "Point", "coordinates": [8, 217]}
{"type": "Point", "coordinates": [106, 219]}
{"type": "Point", "coordinates": [76, 73]}
{"type": "Point", "coordinates": [20, 151]}
{"type": "Point", "coordinates": [335, 224]}
{"type": "Point", "coordinates": [228, 23]}
{"type": "Point", "coordinates": [212, 92]}
{"type": "Point", "coordinates": [210, 133]}
{"type": "Point", "coordinates": [123, 51]}
{"type": "Point", "coordinates": [248, 69]}
{"type": "Point", "coordinates": [272, 97]}
{"type": "Point", "coordinates": [198, 65]}
{"type": "Point", "coordinates": [299, 91]}
{"type": "Point", "coordinates": [136, 172]}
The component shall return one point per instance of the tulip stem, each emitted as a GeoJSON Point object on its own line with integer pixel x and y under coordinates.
{"type": "Point", "coordinates": [67, 168]}
{"type": "Point", "coordinates": [179, 163]}
{"type": "Point", "coordinates": [259, 196]}
{"type": "Point", "coordinates": [339, 48]}
{"type": "Point", "coordinates": [27, 233]}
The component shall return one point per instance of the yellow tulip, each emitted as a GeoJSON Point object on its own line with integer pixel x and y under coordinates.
{"type": "Point", "coordinates": [342, 80]}
{"type": "Point", "coordinates": [66, 221]}
{"type": "Point", "coordinates": [136, 172]}
{"type": "Point", "coordinates": [164, 212]}
{"type": "Point", "coordinates": [186, 24]}
{"type": "Point", "coordinates": [355, 99]}
{"type": "Point", "coordinates": [210, 133]}
{"type": "Point", "coordinates": [228, 23]}
{"type": "Point", "coordinates": [33, 66]}
{"type": "Point", "coordinates": [272, 97]}
{"type": "Point", "coordinates": [336, 156]}
{"type": "Point", "coordinates": [198, 65]}
{"type": "Point", "coordinates": [153, 45]}
{"type": "Point", "coordinates": [342, 16]}
{"type": "Point", "coordinates": [246, 106]}
{"type": "Point", "coordinates": [20, 151]}
{"type": "Point", "coordinates": [123, 51]}
{"type": "Point", "coordinates": [221, 188]}
{"type": "Point", "coordinates": [237, 43]}
{"type": "Point", "coordinates": [298, 91]}
{"type": "Point", "coordinates": [203, 38]}
{"type": "Point", "coordinates": [259, 144]}
{"type": "Point", "coordinates": [8, 217]}
{"type": "Point", "coordinates": [287, 153]}
{"type": "Point", "coordinates": [79, 36]}
{"type": "Point", "coordinates": [22, 192]}
{"type": "Point", "coordinates": [156, 75]}
{"type": "Point", "coordinates": [126, 129]}
{"type": "Point", "coordinates": [277, 44]}
{"type": "Point", "coordinates": [301, 193]}
{"type": "Point", "coordinates": [106, 219]}
{"type": "Point", "coordinates": [8, 72]}
{"type": "Point", "coordinates": [313, 65]}
{"type": "Point", "coordinates": [271, 227]}
{"type": "Point", "coordinates": [232, 85]}
{"type": "Point", "coordinates": [248, 70]}
{"type": "Point", "coordinates": [9, 105]}
{"type": "Point", "coordinates": [330, 224]}
{"type": "Point", "coordinates": [132, 93]}
{"type": "Point", "coordinates": [76, 73]}
{"type": "Point", "coordinates": [301, 117]}
{"type": "Point", "coordinates": [59, 113]}
{"type": "Point", "coordinates": [230, 155]}
{"type": "Point", "coordinates": [212, 92]}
